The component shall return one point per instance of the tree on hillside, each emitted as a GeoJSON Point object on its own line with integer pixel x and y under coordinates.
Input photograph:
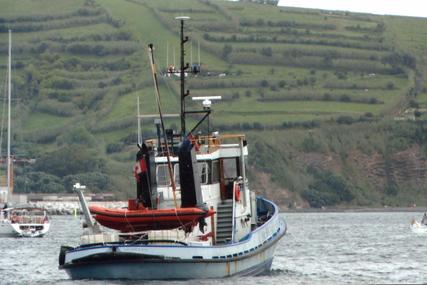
{"type": "Point", "coordinates": [67, 160]}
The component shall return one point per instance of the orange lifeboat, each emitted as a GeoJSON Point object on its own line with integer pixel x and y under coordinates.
{"type": "Point", "coordinates": [137, 220]}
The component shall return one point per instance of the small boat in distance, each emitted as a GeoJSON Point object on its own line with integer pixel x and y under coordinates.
{"type": "Point", "coordinates": [26, 221]}
{"type": "Point", "coordinates": [196, 216]}
{"type": "Point", "coordinates": [420, 227]}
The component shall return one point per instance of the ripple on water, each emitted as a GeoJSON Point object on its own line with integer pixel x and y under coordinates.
{"type": "Point", "coordinates": [326, 248]}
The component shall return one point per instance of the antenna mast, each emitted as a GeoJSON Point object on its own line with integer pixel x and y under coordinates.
{"type": "Point", "coordinates": [183, 67]}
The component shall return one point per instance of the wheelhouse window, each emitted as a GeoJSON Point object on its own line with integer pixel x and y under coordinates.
{"type": "Point", "coordinates": [203, 172]}
{"type": "Point", "coordinates": [231, 168]}
{"type": "Point", "coordinates": [162, 175]}
{"type": "Point", "coordinates": [176, 173]}
{"type": "Point", "coordinates": [215, 172]}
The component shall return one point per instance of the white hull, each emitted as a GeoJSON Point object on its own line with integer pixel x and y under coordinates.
{"type": "Point", "coordinates": [250, 256]}
{"type": "Point", "coordinates": [153, 269]}
{"type": "Point", "coordinates": [6, 229]}
{"type": "Point", "coordinates": [418, 228]}
{"type": "Point", "coordinates": [31, 230]}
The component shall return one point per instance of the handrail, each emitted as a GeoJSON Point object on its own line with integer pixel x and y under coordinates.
{"type": "Point", "coordinates": [212, 142]}
{"type": "Point", "coordinates": [233, 224]}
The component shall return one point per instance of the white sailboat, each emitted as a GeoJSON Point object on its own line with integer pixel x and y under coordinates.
{"type": "Point", "coordinates": [25, 221]}
{"type": "Point", "coordinates": [5, 222]}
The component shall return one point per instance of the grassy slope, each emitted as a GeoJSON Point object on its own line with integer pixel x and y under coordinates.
{"type": "Point", "coordinates": [110, 118]}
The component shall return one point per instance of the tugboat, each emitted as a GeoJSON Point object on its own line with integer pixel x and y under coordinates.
{"type": "Point", "coordinates": [194, 215]}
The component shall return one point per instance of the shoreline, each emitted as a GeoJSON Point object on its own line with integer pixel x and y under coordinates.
{"type": "Point", "coordinates": [73, 208]}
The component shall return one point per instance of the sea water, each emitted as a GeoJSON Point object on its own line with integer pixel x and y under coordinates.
{"type": "Point", "coordinates": [319, 248]}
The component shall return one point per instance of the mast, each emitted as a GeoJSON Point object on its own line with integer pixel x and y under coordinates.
{"type": "Point", "coordinates": [159, 108]}
{"type": "Point", "coordinates": [8, 116]}
{"type": "Point", "coordinates": [167, 55]}
{"type": "Point", "coordinates": [182, 73]}
{"type": "Point", "coordinates": [191, 54]}
{"type": "Point", "coordinates": [184, 93]}
{"type": "Point", "coordinates": [139, 122]}
{"type": "Point", "coordinates": [198, 52]}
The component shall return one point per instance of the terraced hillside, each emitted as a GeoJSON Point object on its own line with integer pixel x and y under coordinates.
{"type": "Point", "coordinates": [78, 67]}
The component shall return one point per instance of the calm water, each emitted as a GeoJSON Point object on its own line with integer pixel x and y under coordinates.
{"type": "Point", "coordinates": [320, 248]}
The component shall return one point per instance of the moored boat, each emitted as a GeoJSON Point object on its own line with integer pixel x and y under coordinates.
{"type": "Point", "coordinates": [23, 221]}
{"type": "Point", "coordinates": [237, 231]}
{"type": "Point", "coordinates": [420, 227]}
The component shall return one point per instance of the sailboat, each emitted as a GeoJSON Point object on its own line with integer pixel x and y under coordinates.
{"type": "Point", "coordinates": [24, 221]}
{"type": "Point", "coordinates": [235, 235]}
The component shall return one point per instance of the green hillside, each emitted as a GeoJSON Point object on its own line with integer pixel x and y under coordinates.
{"type": "Point", "coordinates": [79, 66]}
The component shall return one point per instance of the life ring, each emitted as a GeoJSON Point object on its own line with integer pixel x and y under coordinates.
{"type": "Point", "coordinates": [237, 192]}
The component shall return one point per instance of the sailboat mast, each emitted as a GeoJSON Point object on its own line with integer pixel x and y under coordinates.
{"type": "Point", "coordinates": [8, 114]}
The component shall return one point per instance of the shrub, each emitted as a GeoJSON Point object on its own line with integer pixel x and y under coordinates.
{"type": "Point", "coordinates": [390, 86]}
{"type": "Point", "coordinates": [267, 51]}
{"type": "Point", "coordinates": [79, 135]}
{"type": "Point", "coordinates": [345, 98]}
{"type": "Point", "coordinates": [413, 104]}
{"type": "Point", "coordinates": [69, 160]}
{"type": "Point", "coordinates": [309, 144]}
{"type": "Point", "coordinates": [114, 147]}
{"type": "Point", "coordinates": [327, 189]}
{"type": "Point", "coordinates": [95, 181]}
{"type": "Point", "coordinates": [348, 120]}
{"type": "Point", "coordinates": [226, 50]}
{"type": "Point", "coordinates": [38, 182]}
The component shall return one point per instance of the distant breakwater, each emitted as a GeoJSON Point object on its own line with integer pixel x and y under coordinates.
{"type": "Point", "coordinates": [72, 207]}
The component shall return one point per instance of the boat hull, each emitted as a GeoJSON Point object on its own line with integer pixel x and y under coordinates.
{"type": "Point", "coordinates": [31, 230]}
{"type": "Point", "coordinates": [23, 230]}
{"type": "Point", "coordinates": [252, 255]}
{"type": "Point", "coordinates": [418, 227]}
{"type": "Point", "coordinates": [6, 229]}
{"type": "Point", "coordinates": [148, 268]}
{"type": "Point", "coordinates": [161, 270]}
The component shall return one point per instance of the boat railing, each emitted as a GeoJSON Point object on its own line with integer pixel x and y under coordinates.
{"type": "Point", "coordinates": [166, 235]}
{"type": "Point", "coordinates": [233, 221]}
{"type": "Point", "coordinates": [206, 143]}
{"type": "Point", "coordinates": [28, 219]}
